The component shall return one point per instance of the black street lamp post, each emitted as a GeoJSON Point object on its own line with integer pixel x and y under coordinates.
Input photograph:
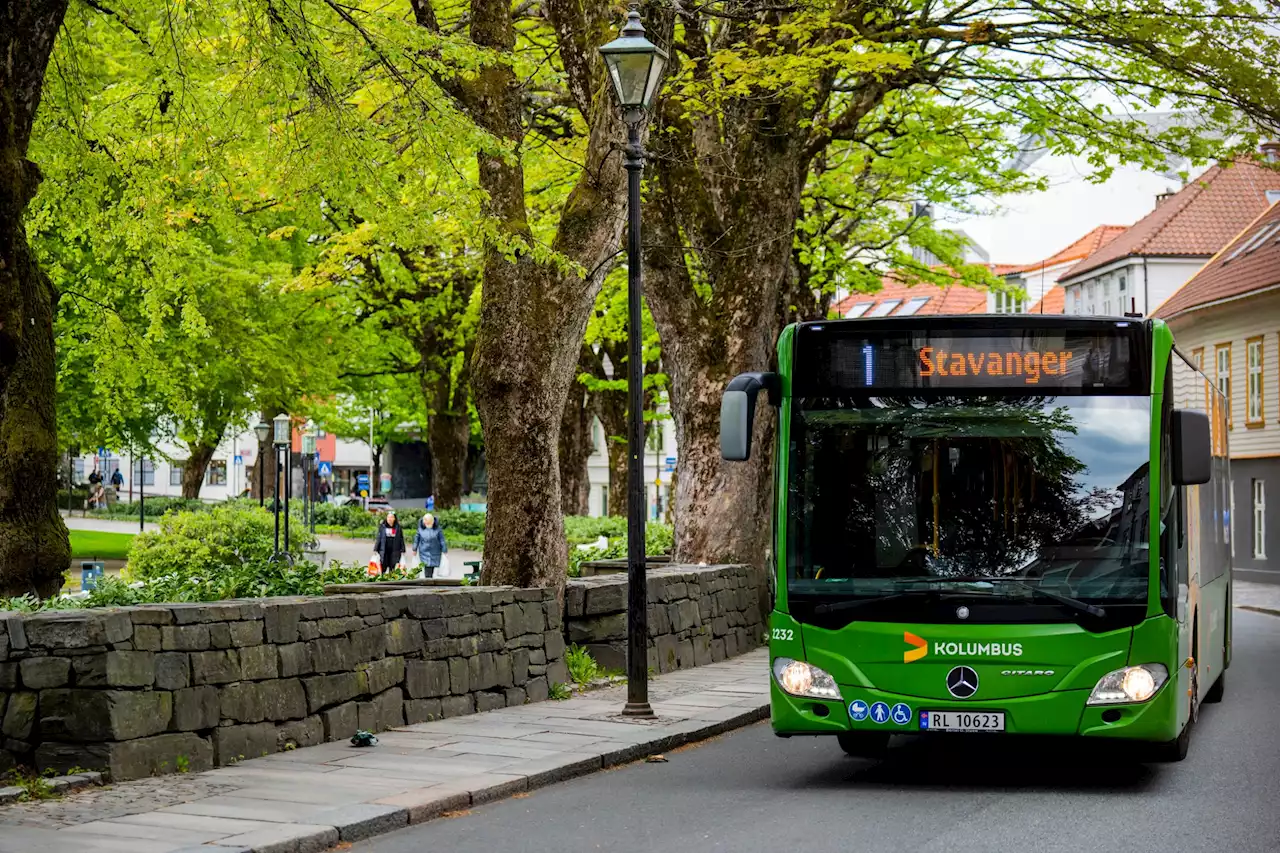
{"type": "Point", "coordinates": [263, 432]}
{"type": "Point", "coordinates": [280, 424]}
{"type": "Point", "coordinates": [635, 68]}
{"type": "Point", "coordinates": [308, 474]}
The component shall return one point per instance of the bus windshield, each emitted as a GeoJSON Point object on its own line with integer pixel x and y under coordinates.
{"type": "Point", "coordinates": [964, 492]}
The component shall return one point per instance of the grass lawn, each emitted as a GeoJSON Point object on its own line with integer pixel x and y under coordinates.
{"type": "Point", "coordinates": [90, 544]}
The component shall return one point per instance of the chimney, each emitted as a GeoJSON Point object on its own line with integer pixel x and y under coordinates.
{"type": "Point", "coordinates": [1271, 152]}
{"type": "Point", "coordinates": [1161, 198]}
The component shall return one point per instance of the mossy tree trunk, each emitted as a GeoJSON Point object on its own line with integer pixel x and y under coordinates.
{"type": "Point", "coordinates": [534, 313]}
{"type": "Point", "coordinates": [34, 547]}
{"type": "Point", "coordinates": [193, 471]}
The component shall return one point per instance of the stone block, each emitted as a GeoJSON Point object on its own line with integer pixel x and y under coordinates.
{"type": "Point", "coordinates": [98, 715]}
{"type": "Point", "coordinates": [8, 676]}
{"type": "Point", "coordinates": [596, 629]}
{"type": "Point", "coordinates": [295, 659]}
{"type": "Point", "coordinates": [368, 605]}
{"type": "Point", "coordinates": [505, 678]}
{"type": "Point", "coordinates": [457, 706]}
{"type": "Point", "coordinates": [323, 691]}
{"type": "Point", "coordinates": [425, 605]}
{"type": "Point", "coordinates": [605, 598]}
{"type": "Point", "coordinates": [702, 650]}
{"type": "Point", "coordinates": [717, 649]}
{"type": "Point", "coordinates": [659, 623]}
{"type": "Point", "coordinates": [242, 702]}
{"type": "Point", "coordinates": [421, 710]}
{"type": "Point", "coordinates": [459, 676]}
{"type": "Point", "coordinates": [491, 622]}
{"type": "Point", "coordinates": [384, 674]}
{"type": "Point", "coordinates": [116, 669]}
{"type": "Point", "coordinates": [220, 635]}
{"type": "Point", "coordinates": [668, 660]}
{"type": "Point", "coordinates": [307, 631]}
{"type": "Point", "coordinates": [151, 615]}
{"type": "Point", "coordinates": [195, 709]}
{"type": "Point", "coordinates": [456, 602]}
{"type": "Point", "coordinates": [20, 715]}
{"type": "Point", "coordinates": [552, 616]}
{"type": "Point", "coordinates": [486, 701]}
{"type": "Point", "coordinates": [39, 673]}
{"type": "Point", "coordinates": [537, 656]}
{"type": "Point", "coordinates": [147, 638]}
{"type": "Point", "coordinates": [246, 634]}
{"type": "Point", "coordinates": [558, 672]}
{"type": "Point", "coordinates": [313, 609]}
{"type": "Point", "coordinates": [519, 667]}
{"type": "Point", "coordinates": [528, 594]}
{"type": "Point", "coordinates": [512, 620]}
{"type": "Point", "coordinates": [280, 621]}
{"type": "Point", "coordinates": [341, 722]}
{"type": "Point", "coordinates": [232, 744]}
{"type": "Point", "coordinates": [446, 647]}
{"type": "Point", "coordinates": [369, 644]}
{"type": "Point", "coordinates": [77, 629]}
{"type": "Point", "coordinates": [461, 626]}
{"type": "Point", "coordinates": [731, 644]}
{"type": "Point", "coordinates": [384, 711]}
{"type": "Point", "coordinates": [482, 672]}
{"type": "Point", "coordinates": [575, 595]}
{"type": "Point", "coordinates": [184, 638]}
{"type": "Point", "coordinates": [492, 641]}
{"type": "Point", "coordinates": [332, 655]}
{"type": "Point", "coordinates": [553, 644]}
{"type": "Point", "coordinates": [402, 637]}
{"type": "Point", "coordinates": [435, 629]}
{"type": "Point", "coordinates": [159, 754]}
{"type": "Point", "coordinates": [689, 617]}
{"type": "Point", "coordinates": [220, 667]}
{"type": "Point", "coordinates": [537, 689]}
{"type": "Point", "coordinates": [609, 655]}
{"type": "Point", "coordinates": [173, 671]}
{"type": "Point", "coordinates": [300, 733]}
{"type": "Point", "coordinates": [337, 605]}
{"type": "Point", "coordinates": [425, 679]}
{"type": "Point", "coordinates": [259, 662]}
{"type": "Point", "coordinates": [15, 631]}
{"type": "Point", "coordinates": [191, 614]}
{"type": "Point", "coordinates": [515, 696]}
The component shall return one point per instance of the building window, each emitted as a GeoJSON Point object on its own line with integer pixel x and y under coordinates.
{"type": "Point", "coordinates": [175, 472]}
{"type": "Point", "coordinates": [148, 468]}
{"type": "Point", "coordinates": [77, 471]}
{"type": "Point", "coordinates": [1077, 300]}
{"type": "Point", "coordinates": [884, 308]}
{"type": "Point", "coordinates": [913, 305]}
{"type": "Point", "coordinates": [218, 472]}
{"type": "Point", "coordinates": [1222, 376]}
{"type": "Point", "coordinates": [1253, 382]}
{"type": "Point", "coordinates": [1009, 303]}
{"type": "Point", "coordinates": [857, 310]}
{"type": "Point", "coordinates": [1091, 290]}
{"type": "Point", "coordinates": [1259, 520]}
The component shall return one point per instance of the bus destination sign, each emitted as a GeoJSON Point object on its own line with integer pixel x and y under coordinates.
{"type": "Point", "coordinates": [1037, 361]}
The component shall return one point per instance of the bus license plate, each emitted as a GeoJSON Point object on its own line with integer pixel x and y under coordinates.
{"type": "Point", "coordinates": [962, 721]}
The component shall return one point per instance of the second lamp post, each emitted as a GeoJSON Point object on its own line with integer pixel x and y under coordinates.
{"type": "Point", "coordinates": [635, 68]}
{"type": "Point", "coordinates": [282, 439]}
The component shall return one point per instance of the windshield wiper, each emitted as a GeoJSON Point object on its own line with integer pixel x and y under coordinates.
{"type": "Point", "coordinates": [1074, 603]}
{"type": "Point", "coordinates": [855, 603]}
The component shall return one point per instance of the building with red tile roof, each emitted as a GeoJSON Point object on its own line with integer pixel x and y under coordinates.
{"type": "Point", "coordinates": [1226, 320]}
{"type": "Point", "coordinates": [1041, 278]}
{"type": "Point", "coordinates": [1143, 266]}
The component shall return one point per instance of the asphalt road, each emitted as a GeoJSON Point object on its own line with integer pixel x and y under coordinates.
{"type": "Point", "coordinates": [750, 791]}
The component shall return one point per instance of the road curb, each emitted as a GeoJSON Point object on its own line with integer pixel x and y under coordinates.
{"type": "Point", "coordinates": [1267, 610]}
{"type": "Point", "coordinates": [430, 803]}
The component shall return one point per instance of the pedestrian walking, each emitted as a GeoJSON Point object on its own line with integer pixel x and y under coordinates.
{"type": "Point", "coordinates": [325, 490]}
{"type": "Point", "coordinates": [117, 481]}
{"type": "Point", "coordinates": [389, 546]}
{"type": "Point", "coordinates": [429, 545]}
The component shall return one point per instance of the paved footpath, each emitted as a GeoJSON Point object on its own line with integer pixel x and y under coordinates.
{"type": "Point", "coordinates": [1264, 597]}
{"type": "Point", "coordinates": [313, 798]}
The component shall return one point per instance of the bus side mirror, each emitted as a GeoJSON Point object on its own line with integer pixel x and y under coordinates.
{"type": "Point", "coordinates": [738, 412]}
{"type": "Point", "coordinates": [1191, 453]}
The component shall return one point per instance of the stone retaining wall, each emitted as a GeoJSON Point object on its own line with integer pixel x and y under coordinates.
{"type": "Point", "coordinates": [162, 688]}
{"type": "Point", "coordinates": [697, 615]}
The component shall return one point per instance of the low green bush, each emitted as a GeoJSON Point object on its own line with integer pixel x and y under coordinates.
{"type": "Point", "coordinates": [659, 541]}
{"type": "Point", "coordinates": [152, 507]}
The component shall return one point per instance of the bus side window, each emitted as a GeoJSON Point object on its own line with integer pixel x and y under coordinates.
{"type": "Point", "coordinates": [1171, 522]}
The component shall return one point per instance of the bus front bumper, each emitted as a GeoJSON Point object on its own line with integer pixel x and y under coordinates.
{"type": "Point", "coordinates": [1054, 713]}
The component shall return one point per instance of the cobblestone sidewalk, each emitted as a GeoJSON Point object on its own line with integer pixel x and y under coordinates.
{"type": "Point", "coordinates": [311, 799]}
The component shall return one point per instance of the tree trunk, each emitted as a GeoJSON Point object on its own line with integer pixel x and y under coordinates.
{"type": "Point", "coordinates": [576, 445]}
{"type": "Point", "coordinates": [533, 312]}
{"type": "Point", "coordinates": [198, 458]}
{"type": "Point", "coordinates": [34, 546]}
{"type": "Point", "coordinates": [616, 445]}
{"type": "Point", "coordinates": [450, 437]}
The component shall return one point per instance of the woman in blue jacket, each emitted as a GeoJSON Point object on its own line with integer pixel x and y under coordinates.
{"type": "Point", "coordinates": [429, 544]}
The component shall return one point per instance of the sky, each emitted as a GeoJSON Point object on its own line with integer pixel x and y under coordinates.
{"type": "Point", "coordinates": [1026, 228]}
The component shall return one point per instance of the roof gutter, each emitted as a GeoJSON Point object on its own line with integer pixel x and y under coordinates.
{"type": "Point", "coordinates": [1225, 300]}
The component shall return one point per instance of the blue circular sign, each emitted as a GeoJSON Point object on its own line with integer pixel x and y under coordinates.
{"type": "Point", "coordinates": [879, 713]}
{"type": "Point", "coordinates": [900, 714]}
{"type": "Point", "coordinates": [858, 710]}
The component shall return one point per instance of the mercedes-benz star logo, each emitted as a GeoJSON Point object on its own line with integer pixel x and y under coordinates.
{"type": "Point", "coordinates": [962, 612]}
{"type": "Point", "coordinates": [962, 682]}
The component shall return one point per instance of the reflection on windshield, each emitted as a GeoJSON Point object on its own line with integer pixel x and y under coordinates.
{"type": "Point", "coordinates": [1048, 489]}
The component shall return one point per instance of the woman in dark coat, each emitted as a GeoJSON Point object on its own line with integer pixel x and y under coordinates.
{"type": "Point", "coordinates": [389, 546]}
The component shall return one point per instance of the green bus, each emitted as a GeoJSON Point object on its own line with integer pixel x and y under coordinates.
{"type": "Point", "coordinates": [1009, 524]}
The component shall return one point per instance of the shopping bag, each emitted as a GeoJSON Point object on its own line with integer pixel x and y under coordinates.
{"type": "Point", "coordinates": [375, 566]}
{"type": "Point", "coordinates": [442, 571]}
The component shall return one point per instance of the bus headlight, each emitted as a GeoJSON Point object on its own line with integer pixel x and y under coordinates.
{"type": "Point", "coordinates": [801, 679]}
{"type": "Point", "coordinates": [1131, 684]}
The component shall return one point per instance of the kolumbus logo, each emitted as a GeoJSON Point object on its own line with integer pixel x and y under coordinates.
{"type": "Point", "coordinates": [920, 648]}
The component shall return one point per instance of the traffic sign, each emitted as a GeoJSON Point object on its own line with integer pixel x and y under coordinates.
{"type": "Point", "coordinates": [671, 463]}
{"type": "Point", "coordinates": [325, 469]}
{"type": "Point", "coordinates": [239, 460]}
